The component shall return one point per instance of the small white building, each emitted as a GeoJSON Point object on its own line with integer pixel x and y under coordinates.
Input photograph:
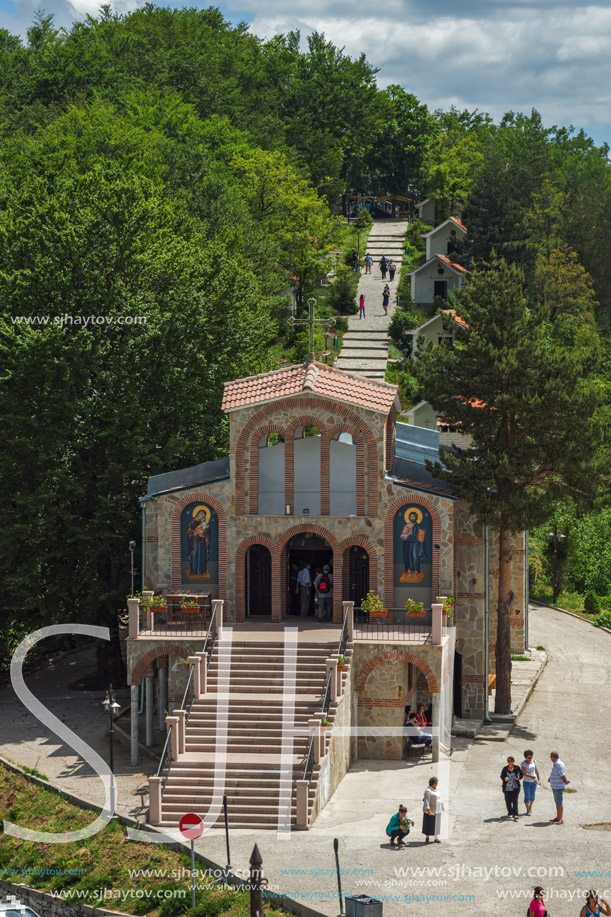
{"type": "Point", "coordinates": [444, 238]}
{"type": "Point", "coordinates": [422, 414]}
{"type": "Point", "coordinates": [433, 330]}
{"type": "Point", "coordinates": [426, 211]}
{"type": "Point", "coordinates": [437, 277]}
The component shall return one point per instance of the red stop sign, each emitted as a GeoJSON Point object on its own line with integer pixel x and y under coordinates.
{"type": "Point", "coordinates": [191, 826]}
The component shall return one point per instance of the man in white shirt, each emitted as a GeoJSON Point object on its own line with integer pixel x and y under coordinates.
{"type": "Point", "coordinates": [305, 581]}
{"type": "Point", "coordinates": [558, 781]}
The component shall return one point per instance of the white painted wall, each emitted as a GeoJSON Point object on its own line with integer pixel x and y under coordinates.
{"type": "Point", "coordinates": [342, 479]}
{"type": "Point", "coordinates": [437, 242]}
{"type": "Point", "coordinates": [423, 282]}
{"type": "Point", "coordinates": [271, 480]}
{"type": "Point", "coordinates": [307, 475]}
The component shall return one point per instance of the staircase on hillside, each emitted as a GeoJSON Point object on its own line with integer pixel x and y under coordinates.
{"type": "Point", "coordinates": [254, 743]}
{"type": "Point", "coordinates": [365, 345]}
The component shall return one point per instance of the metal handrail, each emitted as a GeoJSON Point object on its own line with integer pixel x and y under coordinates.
{"type": "Point", "coordinates": [212, 624]}
{"type": "Point", "coordinates": [343, 637]}
{"type": "Point", "coordinates": [309, 765]}
{"type": "Point", "coordinates": [166, 753]}
{"type": "Point", "coordinates": [327, 695]}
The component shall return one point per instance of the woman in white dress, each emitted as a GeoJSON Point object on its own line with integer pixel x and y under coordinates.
{"type": "Point", "coordinates": [432, 808]}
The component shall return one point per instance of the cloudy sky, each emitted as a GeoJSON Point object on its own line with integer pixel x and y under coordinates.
{"type": "Point", "coordinates": [494, 55]}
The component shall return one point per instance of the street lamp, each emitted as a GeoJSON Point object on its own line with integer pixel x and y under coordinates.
{"type": "Point", "coordinates": [111, 707]}
{"type": "Point", "coordinates": [358, 240]}
{"type": "Point", "coordinates": [555, 539]}
{"type": "Point", "coordinates": [132, 548]}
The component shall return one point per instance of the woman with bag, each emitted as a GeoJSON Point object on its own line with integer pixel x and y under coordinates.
{"type": "Point", "coordinates": [398, 827]}
{"type": "Point", "coordinates": [510, 784]}
{"type": "Point", "coordinates": [536, 907]}
{"type": "Point", "coordinates": [432, 808]}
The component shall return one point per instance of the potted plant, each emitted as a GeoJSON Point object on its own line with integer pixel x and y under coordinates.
{"type": "Point", "coordinates": [324, 723]}
{"type": "Point", "coordinates": [414, 609]}
{"type": "Point", "coordinates": [448, 608]}
{"type": "Point", "coordinates": [373, 606]}
{"type": "Point", "coordinates": [189, 605]}
{"type": "Point", "coordinates": [158, 603]}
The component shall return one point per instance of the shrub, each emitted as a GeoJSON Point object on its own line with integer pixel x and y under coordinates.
{"type": "Point", "coordinates": [176, 906]}
{"type": "Point", "coordinates": [342, 295]}
{"type": "Point", "coordinates": [591, 603]}
{"type": "Point", "coordinates": [401, 322]}
{"type": "Point", "coordinates": [603, 619]}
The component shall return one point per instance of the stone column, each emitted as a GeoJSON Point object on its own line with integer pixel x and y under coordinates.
{"type": "Point", "coordinates": [147, 593]}
{"type": "Point", "coordinates": [203, 674]}
{"type": "Point", "coordinates": [174, 743]}
{"type": "Point", "coordinates": [149, 694]}
{"type": "Point", "coordinates": [155, 800]}
{"type": "Point", "coordinates": [314, 725]}
{"type": "Point", "coordinates": [349, 607]}
{"type": "Point", "coordinates": [302, 787]}
{"type": "Point", "coordinates": [217, 605]}
{"type": "Point", "coordinates": [133, 606]}
{"type": "Point", "coordinates": [194, 663]}
{"type": "Point", "coordinates": [437, 634]}
{"type": "Point", "coordinates": [134, 693]}
{"type": "Point", "coordinates": [162, 669]}
{"type": "Point", "coordinates": [436, 727]}
{"type": "Point", "coordinates": [331, 666]}
{"type": "Point", "coordinates": [181, 716]}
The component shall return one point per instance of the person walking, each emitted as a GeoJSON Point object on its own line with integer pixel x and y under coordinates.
{"type": "Point", "coordinates": [558, 781]}
{"type": "Point", "coordinates": [510, 784]}
{"type": "Point", "coordinates": [362, 306]}
{"type": "Point", "coordinates": [398, 827]}
{"type": "Point", "coordinates": [323, 584]}
{"type": "Point", "coordinates": [385, 299]}
{"type": "Point", "coordinates": [594, 907]}
{"type": "Point", "coordinates": [537, 907]}
{"type": "Point", "coordinates": [368, 263]}
{"type": "Point", "coordinates": [355, 260]}
{"type": "Point", "coordinates": [305, 582]}
{"type": "Point", "coordinates": [530, 779]}
{"type": "Point", "coordinates": [432, 808]}
{"type": "Point", "coordinates": [383, 266]}
{"type": "Point", "coordinates": [392, 267]}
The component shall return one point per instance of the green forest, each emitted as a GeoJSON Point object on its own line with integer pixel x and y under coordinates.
{"type": "Point", "coordinates": [177, 175]}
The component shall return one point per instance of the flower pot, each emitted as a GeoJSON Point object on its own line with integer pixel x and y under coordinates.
{"type": "Point", "coordinates": [190, 609]}
{"type": "Point", "coordinates": [159, 609]}
{"type": "Point", "coordinates": [340, 668]}
{"type": "Point", "coordinates": [383, 613]}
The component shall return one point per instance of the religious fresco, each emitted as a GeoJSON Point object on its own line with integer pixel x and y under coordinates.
{"type": "Point", "coordinates": [199, 544]}
{"type": "Point", "coordinates": [412, 555]}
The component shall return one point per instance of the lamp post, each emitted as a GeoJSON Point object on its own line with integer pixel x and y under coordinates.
{"type": "Point", "coordinates": [358, 240]}
{"type": "Point", "coordinates": [132, 548]}
{"type": "Point", "coordinates": [555, 539]}
{"type": "Point", "coordinates": [112, 708]}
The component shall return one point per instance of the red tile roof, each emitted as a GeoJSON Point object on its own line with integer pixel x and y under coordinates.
{"type": "Point", "coordinates": [455, 316]}
{"type": "Point", "coordinates": [459, 224]}
{"type": "Point", "coordinates": [446, 260]}
{"type": "Point", "coordinates": [311, 377]}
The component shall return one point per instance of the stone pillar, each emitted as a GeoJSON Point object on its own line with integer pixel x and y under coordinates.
{"type": "Point", "coordinates": [155, 800]}
{"type": "Point", "coordinates": [162, 669]}
{"type": "Point", "coordinates": [217, 605]}
{"type": "Point", "coordinates": [349, 607]}
{"type": "Point", "coordinates": [172, 722]}
{"type": "Point", "coordinates": [301, 817]}
{"type": "Point", "coordinates": [203, 674]}
{"type": "Point", "coordinates": [314, 725]}
{"type": "Point", "coordinates": [194, 663]}
{"type": "Point", "coordinates": [436, 727]}
{"type": "Point", "coordinates": [331, 666]}
{"type": "Point", "coordinates": [134, 693]}
{"type": "Point", "coordinates": [437, 634]}
{"type": "Point", "coordinates": [181, 716]}
{"type": "Point", "coordinates": [133, 606]}
{"type": "Point", "coordinates": [147, 593]}
{"type": "Point", "coordinates": [149, 695]}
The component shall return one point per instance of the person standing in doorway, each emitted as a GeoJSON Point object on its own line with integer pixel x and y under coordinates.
{"type": "Point", "coordinates": [530, 779]}
{"type": "Point", "coordinates": [392, 267]}
{"type": "Point", "coordinates": [362, 306]}
{"type": "Point", "coordinates": [323, 585]}
{"type": "Point", "coordinates": [558, 782]}
{"type": "Point", "coordinates": [432, 808]}
{"type": "Point", "coordinates": [510, 784]}
{"type": "Point", "coordinates": [305, 582]}
{"type": "Point", "coordinates": [385, 299]}
{"type": "Point", "coordinates": [383, 265]}
{"type": "Point", "coordinates": [368, 263]}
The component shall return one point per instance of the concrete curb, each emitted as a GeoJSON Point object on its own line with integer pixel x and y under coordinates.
{"type": "Point", "coordinates": [533, 685]}
{"type": "Point", "coordinates": [276, 899]}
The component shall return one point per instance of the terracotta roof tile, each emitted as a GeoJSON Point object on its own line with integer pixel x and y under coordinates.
{"type": "Point", "coordinates": [456, 317]}
{"type": "Point", "coordinates": [459, 224]}
{"type": "Point", "coordinates": [310, 377]}
{"type": "Point", "coordinates": [457, 267]}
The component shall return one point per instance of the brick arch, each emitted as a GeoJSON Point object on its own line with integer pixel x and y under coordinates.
{"type": "Point", "coordinates": [281, 548]}
{"type": "Point", "coordinates": [309, 404]}
{"type": "Point", "coordinates": [222, 519]}
{"type": "Point", "coordinates": [361, 542]}
{"type": "Point", "coordinates": [253, 489]}
{"type": "Point", "coordinates": [240, 575]}
{"type": "Point", "coordinates": [397, 656]}
{"type": "Point", "coordinates": [389, 519]}
{"type": "Point", "coordinates": [144, 662]}
{"type": "Point", "coordinates": [359, 442]}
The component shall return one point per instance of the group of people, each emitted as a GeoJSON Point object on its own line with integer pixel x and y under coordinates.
{"type": "Point", "coordinates": [593, 907]}
{"type": "Point", "coordinates": [527, 774]}
{"type": "Point", "coordinates": [385, 302]}
{"type": "Point", "coordinates": [432, 806]}
{"type": "Point", "coordinates": [386, 265]}
{"type": "Point", "coordinates": [415, 726]}
{"type": "Point", "coordinates": [320, 586]}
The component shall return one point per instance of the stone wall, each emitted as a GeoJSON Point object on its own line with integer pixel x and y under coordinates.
{"type": "Point", "coordinates": [385, 679]}
{"type": "Point", "coordinates": [339, 757]}
{"type": "Point", "coordinates": [48, 906]}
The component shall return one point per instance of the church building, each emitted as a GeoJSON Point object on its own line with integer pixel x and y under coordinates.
{"type": "Point", "coordinates": [320, 476]}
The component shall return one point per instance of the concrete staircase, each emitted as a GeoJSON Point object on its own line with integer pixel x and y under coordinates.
{"type": "Point", "coordinates": [253, 780]}
{"type": "Point", "coordinates": [365, 345]}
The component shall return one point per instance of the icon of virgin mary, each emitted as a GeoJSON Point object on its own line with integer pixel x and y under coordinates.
{"type": "Point", "coordinates": [198, 541]}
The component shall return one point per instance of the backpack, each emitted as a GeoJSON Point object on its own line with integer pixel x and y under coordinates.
{"type": "Point", "coordinates": [324, 585]}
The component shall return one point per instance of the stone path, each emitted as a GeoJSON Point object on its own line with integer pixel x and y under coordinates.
{"type": "Point", "coordinates": [365, 346]}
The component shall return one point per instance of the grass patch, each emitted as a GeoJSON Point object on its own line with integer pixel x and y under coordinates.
{"type": "Point", "coordinates": [103, 861]}
{"type": "Point", "coordinates": [570, 601]}
{"type": "Point", "coordinates": [541, 647]}
{"type": "Point", "coordinates": [517, 658]}
{"type": "Point", "coordinates": [34, 772]}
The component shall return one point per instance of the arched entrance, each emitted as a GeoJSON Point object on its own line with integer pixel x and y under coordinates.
{"type": "Point", "coordinates": [356, 568]}
{"type": "Point", "coordinates": [305, 548]}
{"type": "Point", "coordinates": [258, 580]}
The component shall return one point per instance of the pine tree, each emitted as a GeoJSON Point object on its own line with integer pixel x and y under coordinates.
{"type": "Point", "coordinates": [533, 413]}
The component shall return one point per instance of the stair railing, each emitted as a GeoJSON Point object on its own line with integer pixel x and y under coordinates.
{"type": "Point", "coordinates": [166, 760]}
{"type": "Point", "coordinates": [309, 764]}
{"type": "Point", "coordinates": [343, 638]}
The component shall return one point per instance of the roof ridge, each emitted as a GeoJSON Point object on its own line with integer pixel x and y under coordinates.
{"type": "Point", "coordinates": [344, 372]}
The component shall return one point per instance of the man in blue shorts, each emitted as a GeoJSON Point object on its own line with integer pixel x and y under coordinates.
{"type": "Point", "coordinates": [558, 781]}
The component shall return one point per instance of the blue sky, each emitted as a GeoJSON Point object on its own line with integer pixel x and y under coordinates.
{"type": "Point", "coordinates": [493, 55]}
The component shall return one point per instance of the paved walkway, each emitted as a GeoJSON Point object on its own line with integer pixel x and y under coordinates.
{"type": "Point", "coordinates": [365, 345]}
{"type": "Point", "coordinates": [484, 856]}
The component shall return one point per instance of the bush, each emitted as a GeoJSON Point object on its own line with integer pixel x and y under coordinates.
{"type": "Point", "coordinates": [176, 906]}
{"type": "Point", "coordinates": [342, 295]}
{"type": "Point", "coordinates": [591, 603]}
{"type": "Point", "coordinates": [603, 619]}
{"type": "Point", "coordinates": [364, 219]}
{"type": "Point", "coordinates": [401, 322]}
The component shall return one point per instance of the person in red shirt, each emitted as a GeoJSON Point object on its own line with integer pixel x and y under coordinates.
{"type": "Point", "coordinates": [537, 908]}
